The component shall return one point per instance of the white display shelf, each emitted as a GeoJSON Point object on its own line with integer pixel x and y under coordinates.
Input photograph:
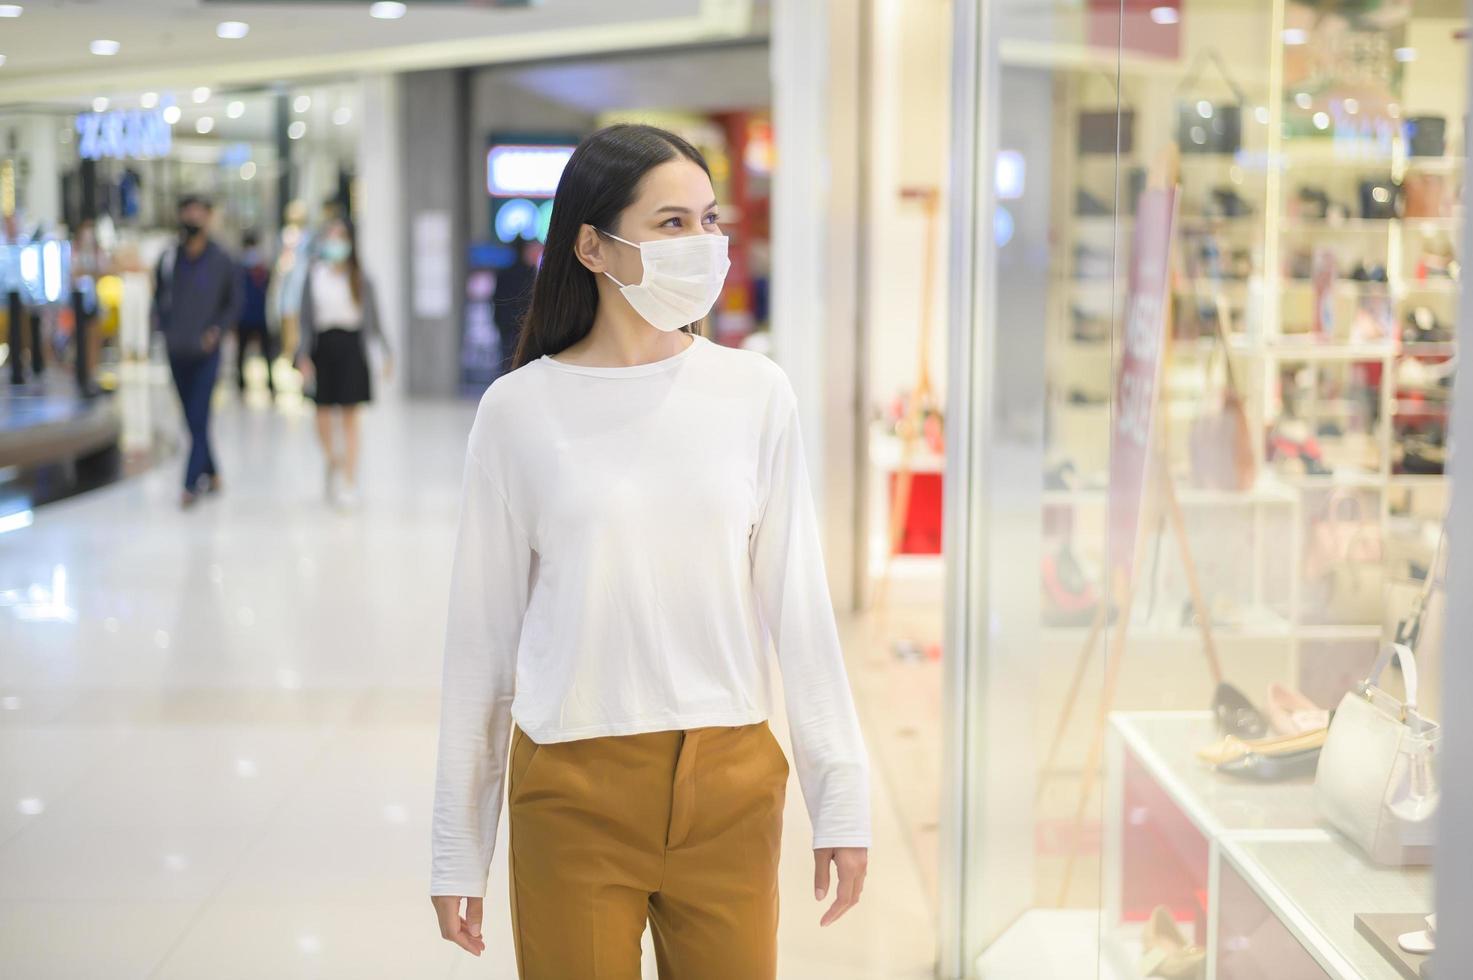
{"type": "Point", "coordinates": [1309, 877]}
{"type": "Point", "coordinates": [1316, 887]}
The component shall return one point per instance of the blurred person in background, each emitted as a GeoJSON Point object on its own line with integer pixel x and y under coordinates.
{"type": "Point", "coordinates": [512, 296]}
{"type": "Point", "coordinates": [196, 301]}
{"type": "Point", "coordinates": [253, 329]}
{"type": "Point", "coordinates": [337, 316]}
{"type": "Point", "coordinates": [636, 527]}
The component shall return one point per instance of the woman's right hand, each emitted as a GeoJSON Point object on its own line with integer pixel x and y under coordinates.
{"type": "Point", "coordinates": [305, 366]}
{"type": "Point", "coordinates": [463, 931]}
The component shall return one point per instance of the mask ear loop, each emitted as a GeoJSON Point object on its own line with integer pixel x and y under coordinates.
{"type": "Point", "coordinates": [633, 245]}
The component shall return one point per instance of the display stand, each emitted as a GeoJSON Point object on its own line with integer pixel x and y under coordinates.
{"type": "Point", "coordinates": [1141, 484]}
{"type": "Point", "coordinates": [922, 395]}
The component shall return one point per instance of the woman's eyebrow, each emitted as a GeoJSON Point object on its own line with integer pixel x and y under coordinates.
{"type": "Point", "coordinates": [677, 209]}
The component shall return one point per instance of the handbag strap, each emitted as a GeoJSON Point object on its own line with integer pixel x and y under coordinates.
{"type": "Point", "coordinates": [1408, 660]}
{"type": "Point", "coordinates": [1409, 630]}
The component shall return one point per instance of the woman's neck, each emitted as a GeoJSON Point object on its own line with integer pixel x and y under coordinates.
{"type": "Point", "coordinates": [620, 337]}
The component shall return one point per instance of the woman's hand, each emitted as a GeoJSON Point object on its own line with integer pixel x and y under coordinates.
{"type": "Point", "coordinates": [305, 366]}
{"type": "Point", "coordinates": [851, 862]}
{"type": "Point", "coordinates": [464, 932]}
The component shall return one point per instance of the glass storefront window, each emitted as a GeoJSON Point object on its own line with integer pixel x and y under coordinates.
{"type": "Point", "coordinates": [1211, 354]}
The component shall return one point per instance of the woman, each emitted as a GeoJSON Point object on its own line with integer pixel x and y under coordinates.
{"type": "Point", "coordinates": [337, 311]}
{"type": "Point", "coordinates": [635, 525]}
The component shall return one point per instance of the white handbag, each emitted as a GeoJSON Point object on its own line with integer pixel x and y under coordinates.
{"type": "Point", "coordinates": [1376, 781]}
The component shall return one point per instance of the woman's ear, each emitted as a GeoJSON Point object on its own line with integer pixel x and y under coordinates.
{"type": "Point", "coordinates": [589, 249]}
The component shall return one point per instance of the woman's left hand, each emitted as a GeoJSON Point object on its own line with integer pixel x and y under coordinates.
{"type": "Point", "coordinates": [851, 863]}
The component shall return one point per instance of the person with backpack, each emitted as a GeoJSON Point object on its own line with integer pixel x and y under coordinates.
{"type": "Point", "coordinates": [196, 299]}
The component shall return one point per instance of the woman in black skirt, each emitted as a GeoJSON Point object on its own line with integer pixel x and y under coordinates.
{"type": "Point", "coordinates": [338, 314]}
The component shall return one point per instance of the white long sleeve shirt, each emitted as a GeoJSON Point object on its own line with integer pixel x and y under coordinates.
{"type": "Point", "coordinates": [631, 539]}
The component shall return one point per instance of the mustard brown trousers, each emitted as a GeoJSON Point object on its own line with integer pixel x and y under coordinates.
{"type": "Point", "coordinates": [678, 828]}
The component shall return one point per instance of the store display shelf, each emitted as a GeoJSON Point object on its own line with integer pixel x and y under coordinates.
{"type": "Point", "coordinates": [1411, 286]}
{"type": "Point", "coordinates": [1166, 743]}
{"type": "Point", "coordinates": [1435, 164]}
{"type": "Point", "coordinates": [1316, 888]}
{"type": "Point", "coordinates": [1430, 349]}
{"type": "Point", "coordinates": [1344, 479]}
{"type": "Point", "coordinates": [1417, 481]}
{"type": "Point", "coordinates": [1380, 226]}
{"type": "Point", "coordinates": [1307, 350]}
{"type": "Point", "coordinates": [1274, 628]}
{"type": "Point", "coordinates": [1267, 834]}
{"type": "Point", "coordinates": [1188, 496]}
{"type": "Point", "coordinates": [1332, 633]}
{"type": "Point", "coordinates": [1432, 225]}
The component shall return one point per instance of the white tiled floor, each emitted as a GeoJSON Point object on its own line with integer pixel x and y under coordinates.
{"type": "Point", "coordinates": [217, 731]}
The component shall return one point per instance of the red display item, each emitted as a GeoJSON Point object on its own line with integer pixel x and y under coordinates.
{"type": "Point", "coordinates": [922, 535]}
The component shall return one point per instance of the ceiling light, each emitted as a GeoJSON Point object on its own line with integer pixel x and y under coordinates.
{"type": "Point", "coordinates": [1352, 106]}
{"type": "Point", "coordinates": [296, 130]}
{"type": "Point", "coordinates": [1261, 114]}
{"type": "Point", "coordinates": [232, 30]}
{"type": "Point", "coordinates": [1393, 110]}
{"type": "Point", "coordinates": [99, 104]}
{"type": "Point", "coordinates": [1405, 54]}
{"type": "Point", "coordinates": [104, 48]}
{"type": "Point", "coordinates": [204, 124]}
{"type": "Point", "coordinates": [1204, 109]}
{"type": "Point", "coordinates": [1165, 15]}
{"type": "Point", "coordinates": [1321, 120]}
{"type": "Point", "coordinates": [1303, 100]}
{"type": "Point", "coordinates": [342, 115]}
{"type": "Point", "coordinates": [247, 170]}
{"type": "Point", "coordinates": [1295, 36]}
{"type": "Point", "coordinates": [235, 109]}
{"type": "Point", "coordinates": [201, 94]}
{"type": "Point", "coordinates": [148, 100]}
{"type": "Point", "coordinates": [171, 114]}
{"type": "Point", "coordinates": [11, 10]}
{"type": "Point", "coordinates": [302, 103]}
{"type": "Point", "coordinates": [387, 10]}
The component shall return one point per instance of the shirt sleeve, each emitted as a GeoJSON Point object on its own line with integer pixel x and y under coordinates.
{"type": "Point", "coordinates": [488, 595]}
{"type": "Point", "coordinates": [793, 596]}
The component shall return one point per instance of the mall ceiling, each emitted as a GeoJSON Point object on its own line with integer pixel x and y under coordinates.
{"type": "Point", "coordinates": [48, 49]}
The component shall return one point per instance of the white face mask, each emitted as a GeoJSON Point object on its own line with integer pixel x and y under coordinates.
{"type": "Point", "coordinates": [682, 278]}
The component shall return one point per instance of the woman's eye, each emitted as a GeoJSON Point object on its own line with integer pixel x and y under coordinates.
{"type": "Point", "coordinates": [712, 218]}
{"type": "Point", "coordinates": [671, 223]}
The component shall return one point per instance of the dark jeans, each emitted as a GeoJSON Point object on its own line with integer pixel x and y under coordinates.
{"type": "Point", "coordinates": [246, 333]}
{"type": "Point", "coordinates": [194, 377]}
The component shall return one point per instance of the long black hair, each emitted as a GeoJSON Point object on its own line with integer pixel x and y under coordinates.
{"type": "Point", "coordinates": [598, 183]}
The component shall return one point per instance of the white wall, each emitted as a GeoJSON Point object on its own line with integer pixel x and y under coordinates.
{"type": "Point", "coordinates": [908, 148]}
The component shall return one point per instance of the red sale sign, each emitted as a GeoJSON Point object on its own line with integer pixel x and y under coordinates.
{"type": "Point", "coordinates": [1139, 379]}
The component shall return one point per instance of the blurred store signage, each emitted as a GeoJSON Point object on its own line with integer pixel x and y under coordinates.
{"type": "Point", "coordinates": [525, 171]}
{"type": "Point", "coordinates": [122, 134]}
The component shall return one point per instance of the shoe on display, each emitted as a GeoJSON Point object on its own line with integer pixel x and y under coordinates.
{"type": "Point", "coordinates": [1165, 952]}
{"type": "Point", "coordinates": [1070, 598]}
{"type": "Point", "coordinates": [1266, 759]}
{"type": "Point", "coordinates": [1236, 715]}
{"type": "Point", "coordinates": [1291, 713]}
{"type": "Point", "coordinates": [1086, 205]}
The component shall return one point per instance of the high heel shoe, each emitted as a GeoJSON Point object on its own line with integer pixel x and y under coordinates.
{"type": "Point", "coordinates": [1166, 952]}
